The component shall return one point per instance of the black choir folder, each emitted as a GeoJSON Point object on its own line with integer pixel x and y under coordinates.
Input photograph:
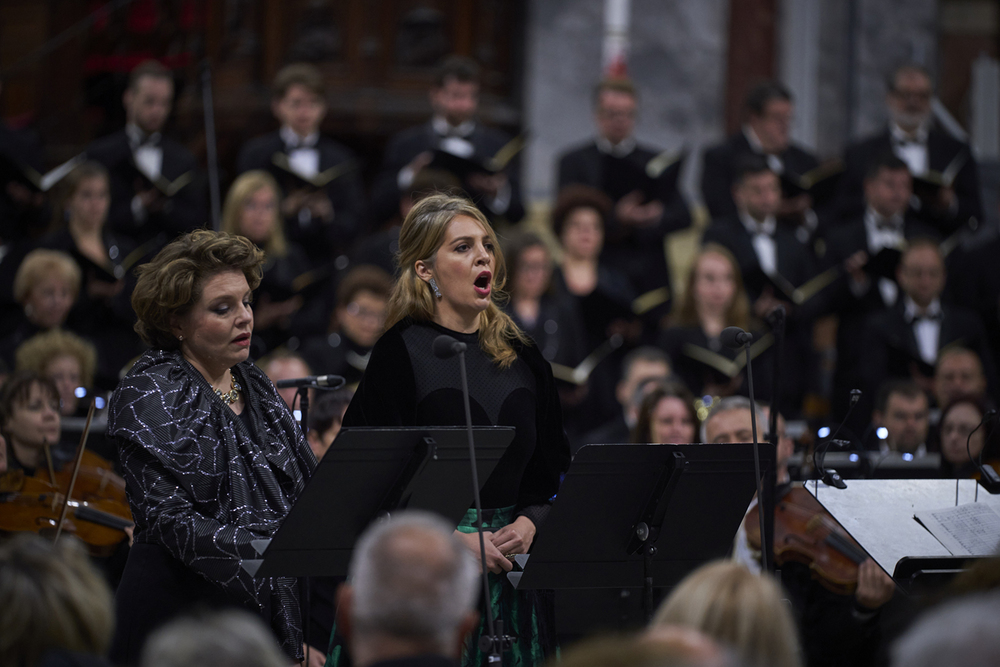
{"type": "Point", "coordinates": [691, 498]}
{"type": "Point", "coordinates": [367, 473]}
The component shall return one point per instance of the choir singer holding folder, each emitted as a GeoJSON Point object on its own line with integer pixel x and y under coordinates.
{"type": "Point", "coordinates": [450, 273]}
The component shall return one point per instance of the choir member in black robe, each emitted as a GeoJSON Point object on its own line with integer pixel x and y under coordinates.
{"type": "Point", "coordinates": [321, 188]}
{"type": "Point", "coordinates": [453, 129]}
{"type": "Point", "coordinates": [646, 208]}
{"type": "Point", "coordinates": [156, 193]}
{"type": "Point", "coordinates": [450, 270]}
{"type": "Point", "coordinates": [766, 133]}
{"type": "Point", "coordinates": [928, 150]}
{"type": "Point", "coordinates": [290, 298]}
{"type": "Point", "coordinates": [212, 457]}
{"type": "Point", "coordinates": [21, 207]}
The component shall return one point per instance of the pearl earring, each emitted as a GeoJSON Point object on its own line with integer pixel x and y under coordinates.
{"type": "Point", "coordinates": [434, 286]}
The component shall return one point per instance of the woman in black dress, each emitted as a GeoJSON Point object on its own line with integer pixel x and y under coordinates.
{"type": "Point", "coordinates": [451, 272]}
{"type": "Point", "coordinates": [212, 458]}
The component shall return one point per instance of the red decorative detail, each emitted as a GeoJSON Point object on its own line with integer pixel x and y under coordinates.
{"type": "Point", "coordinates": [617, 68]}
{"type": "Point", "coordinates": [143, 15]}
{"type": "Point", "coordinates": [101, 21]}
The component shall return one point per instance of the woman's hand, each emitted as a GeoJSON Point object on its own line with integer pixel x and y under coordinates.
{"type": "Point", "coordinates": [516, 537]}
{"type": "Point", "coordinates": [315, 657]}
{"type": "Point", "coordinates": [875, 587]}
{"type": "Point", "coordinates": [495, 560]}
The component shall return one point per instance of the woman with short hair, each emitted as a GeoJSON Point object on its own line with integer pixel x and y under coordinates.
{"type": "Point", "coordinates": [212, 457]}
{"type": "Point", "coordinates": [451, 272]}
{"type": "Point", "coordinates": [67, 360]}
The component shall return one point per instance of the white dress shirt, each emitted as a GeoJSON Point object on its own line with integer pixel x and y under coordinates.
{"type": "Point", "coordinates": [926, 327]}
{"type": "Point", "coordinates": [883, 233]}
{"type": "Point", "coordinates": [303, 156]}
{"type": "Point", "coordinates": [911, 149]}
{"type": "Point", "coordinates": [762, 236]}
{"type": "Point", "coordinates": [773, 161]}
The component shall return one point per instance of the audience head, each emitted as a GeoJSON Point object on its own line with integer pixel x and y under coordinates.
{"type": "Point", "coordinates": [921, 272]}
{"type": "Point", "coordinates": [737, 608]}
{"type": "Point", "coordinates": [888, 185]}
{"type": "Point", "coordinates": [29, 416]}
{"type": "Point", "coordinates": [283, 364]}
{"type": "Point", "coordinates": [729, 420]}
{"type": "Point", "coordinates": [958, 419]}
{"type": "Point", "coordinates": [671, 646]}
{"type": "Point", "coordinates": [530, 274]}
{"type": "Point", "coordinates": [65, 359]}
{"type": "Point", "coordinates": [769, 115]}
{"type": "Point", "coordinates": [362, 302]}
{"type": "Point", "coordinates": [252, 210]}
{"type": "Point", "coordinates": [578, 221]}
{"type": "Point", "coordinates": [298, 98]}
{"type": "Point", "coordinates": [326, 415]}
{"type": "Point", "coordinates": [714, 288]}
{"type": "Point", "coordinates": [46, 284]}
{"type": "Point", "coordinates": [901, 408]}
{"type": "Point", "coordinates": [149, 96]}
{"type": "Point", "coordinates": [960, 632]}
{"type": "Point", "coordinates": [642, 365]}
{"type": "Point", "coordinates": [756, 188]}
{"type": "Point", "coordinates": [53, 599]}
{"type": "Point", "coordinates": [412, 590]}
{"type": "Point", "coordinates": [666, 414]}
{"type": "Point", "coordinates": [84, 199]}
{"type": "Point", "coordinates": [959, 372]}
{"type": "Point", "coordinates": [455, 93]}
{"type": "Point", "coordinates": [172, 284]}
{"type": "Point", "coordinates": [910, 92]}
{"type": "Point", "coordinates": [228, 638]}
{"type": "Point", "coordinates": [615, 103]}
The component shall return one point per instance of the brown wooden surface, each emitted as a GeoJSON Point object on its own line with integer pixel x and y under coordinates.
{"type": "Point", "coordinates": [751, 58]}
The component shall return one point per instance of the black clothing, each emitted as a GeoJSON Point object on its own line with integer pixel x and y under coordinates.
{"type": "Point", "coordinates": [891, 350]}
{"type": "Point", "coordinates": [718, 171]}
{"type": "Point", "coordinates": [615, 431]}
{"type": "Point", "coordinates": [107, 322]}
{"type": "Point", "coordinates": [335, 354]}
{"type": "Point", "coordinates": [22, 331]}
{"type": "Point", "coordinates": [379, 250]}
{"type": "Point", "coordinates": [406, 385]}
{"type": "Point", "coordinates": [202, 486]}
{"type": "Point", "coordinates": [974, 283]}
{"type": "Point", "coordinates": [426, 660]}
{"type": "Point", "coordinates": [20, 220]}
{"type": "Point", "coordinates": [410, 143]}
{"type": "Point", "coordinates": [942, 148]}
{"type": "Point", "coordinates": [557, 331]}
{"type": "Point", "coordinates": [680, 342]}
{"type": "Point", "coordinates": [322, 241]}
{"type": "Point", "coordinates": [183, 212]}
{"type": "Point", "coordinates": [637, 252]}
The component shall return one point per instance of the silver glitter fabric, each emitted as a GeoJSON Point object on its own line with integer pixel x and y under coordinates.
{"type": "Point", "coordinates": [202, 485]}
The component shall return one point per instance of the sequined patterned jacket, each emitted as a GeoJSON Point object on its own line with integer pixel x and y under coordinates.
{"type": "Point", "coordinates": [201, 485]}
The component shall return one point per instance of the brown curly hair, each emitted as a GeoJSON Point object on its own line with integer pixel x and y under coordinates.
{"type": "Point", "coordinates": [172, 282]}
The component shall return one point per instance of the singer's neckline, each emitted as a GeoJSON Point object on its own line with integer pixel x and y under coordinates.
{"type": "Point", "coordinates": [474, 336]}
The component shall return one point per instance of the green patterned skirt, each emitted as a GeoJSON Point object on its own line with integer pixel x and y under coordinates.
{"type": "Point", "coordinates": [527, 615]}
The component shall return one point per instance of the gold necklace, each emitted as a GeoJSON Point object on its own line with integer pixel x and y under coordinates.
{"type": "Point", "coordinates": [233, 394]}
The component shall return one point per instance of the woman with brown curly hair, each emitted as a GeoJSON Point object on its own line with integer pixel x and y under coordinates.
{"type": "Point", "coordinates": [212, 457]}
{"type": "Point", "coordinates": [451, 272]}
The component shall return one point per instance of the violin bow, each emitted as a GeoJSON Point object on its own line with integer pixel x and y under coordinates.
{"type": "Point", "coordinates": [76, 469]}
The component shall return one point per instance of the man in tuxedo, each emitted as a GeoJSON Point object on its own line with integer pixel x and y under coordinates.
{"type": "Point", "coordinates": [904, 342]}
{"type": "Point", "coordinates": [410, 600]}
{"type": "Point", "coordinates": [926, 149]}
{"type": "Point", "coordinates": [901, 409]}
{"type": "Point", "coordinates": [146, 167]}
{"type": "Point", "coordinates": [454, 130]}
{"type": "Point", "coordinates": [646, 207]}
{"type": "Point", "coordinates": [867, 281]}
{"type": "Point", "coordinates": [769, 109]}
{"type": "Point", "coordinates": [322, 217]}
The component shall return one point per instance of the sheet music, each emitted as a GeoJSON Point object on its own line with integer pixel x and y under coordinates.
{"type": "Point", "coordinates": [966, 530]}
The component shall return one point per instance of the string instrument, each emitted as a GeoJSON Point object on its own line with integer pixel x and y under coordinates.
{"type": "Point", "coordinates": [806, 533]}
{"type": "Point", "coordinates": [87, 501]}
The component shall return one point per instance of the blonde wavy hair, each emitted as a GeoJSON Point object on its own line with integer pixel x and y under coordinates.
{"type": "Point", "coordinates": [36, 353]}
{"type": "Point", "coordinates": [244, 187]}
{"type": "Point", "coordinates": [420, 238]}
{"type": "Point", "coordinates": [736, 607]}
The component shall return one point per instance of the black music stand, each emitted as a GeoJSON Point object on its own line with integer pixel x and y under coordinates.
{"type": "Point", "coordinates": [366, 473]}
{"type": "Point", "coordinates": [639, 516]}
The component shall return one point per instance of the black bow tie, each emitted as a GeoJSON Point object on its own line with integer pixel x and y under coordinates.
{"type": "Point", "coordinates": [930, 317]}
{"type": "Point", "coordinates": [299, 143]}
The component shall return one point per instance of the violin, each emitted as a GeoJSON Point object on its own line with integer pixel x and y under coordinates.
{"type": "Point", "coordinates": [806, 533]}
{"type": "Point", "coordinates": [88, 501]}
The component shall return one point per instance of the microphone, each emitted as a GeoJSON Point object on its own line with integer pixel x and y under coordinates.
{"type": "Point", "coordinates": [988, 477]}
{"type": "Point", "coordinates": [734, 337]}
{"type": "Point", "coordinates": [832, 477]}
{"type": "Point", "coordinates": [328, 381]}
{"type": "Point", "coordinates": [446, 347]}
